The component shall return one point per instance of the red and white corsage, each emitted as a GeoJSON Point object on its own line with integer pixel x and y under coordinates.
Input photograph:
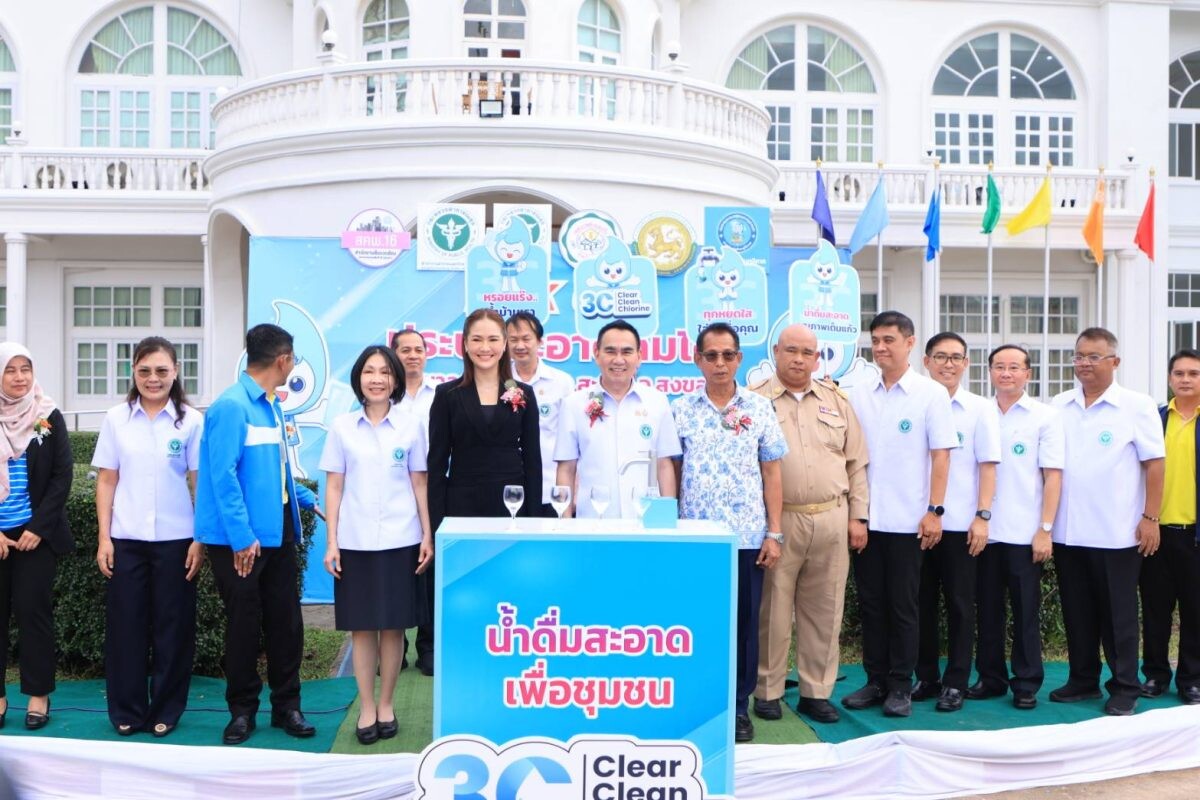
{"type": "Point", "coordinates": [41, 429]}
{"type": "Point", "coordinates": [513, 395]}
{"type": "Point", "coordinates": [734, 420]}
{"type": "Point", "coordinates": [595, 408]}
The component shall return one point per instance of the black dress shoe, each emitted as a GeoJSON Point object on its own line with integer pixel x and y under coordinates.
{"type": "Point", "coordinates": [1120, 705]}
{"type": "Point", "coordinates": [870, 695]}
{"type": "Point", "coordinates": [925, 690]}
{"type": "Point", "coordinates": [425, 665]}
{"type": "Point", "coordinates": [1190, 695]}
{"type": "Point", "coordinates": [1152, 688]}
{"type": "Point", "coordinates": [1070, 693]}
{"type": "Point", "coordinates": [1024, 700]}
{"type": "Point", "coordinates": [238, 730]}
{"type": "Point", "coordinates": [950, 699]}
{"type": "Point", "coordinates": [982, 691]}
{"type": "Point", "coordinates": [36, 720]}
{"type": "Point", "coordinates": [897, 704]}
{"type": "Point", "coordinates": [367, 735]}
{"type": "Point", "coordinates": [743, 728]}
{"type": "Point", "coordinates": [768, 709]}
{"type": "Point", "coordinates": [818, 709]}
{"type": "Point", "coordinates": [293, 723]}
{"type": "Point", "coordinates": [388, 729]}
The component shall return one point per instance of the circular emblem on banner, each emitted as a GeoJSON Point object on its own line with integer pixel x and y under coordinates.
{"type": "Point", "coordinates": [737, 231]}
{"type": "Point", "coordinates": [175, 447]}
{"type": "Point", "coordinates": [544, 409]}
{"type": "Point", "coordinates": [375, 238]}
{"type": "Point", "coordinates": [449, 231]}
{"type": "Point", "coordinates": [1106, 438]}
{"type": "Point", "coordinates": [646, 430]}
{"type": "Point", "coordinates": [1018, 449]}
{"type": "Point", "coordinates": [905, 425]}
{"type": "Point", "coordinates": [584, 235]}
{"type": "Point", "coordinates": [961, 439]}
{"type": "Point", "coordinates": [668, 241]}
{"type": "Point", "coordinates": [398, 455]}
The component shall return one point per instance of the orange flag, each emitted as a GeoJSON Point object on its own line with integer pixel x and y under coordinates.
{"type": "Point", "coordinates": [1093, 226]}
{"type": "Point", "coordinates": [1144, 238]}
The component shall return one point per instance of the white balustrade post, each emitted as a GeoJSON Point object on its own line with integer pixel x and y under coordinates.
{"type": "Point", "coordinates": [16, 259]}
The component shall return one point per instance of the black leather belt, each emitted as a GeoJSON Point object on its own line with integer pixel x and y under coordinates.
{"type": "Point", "coordinates": [1191, 527]}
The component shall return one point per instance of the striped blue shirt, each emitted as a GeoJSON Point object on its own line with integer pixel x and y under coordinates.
{"type": "Point", "coordinates": [15, 511]}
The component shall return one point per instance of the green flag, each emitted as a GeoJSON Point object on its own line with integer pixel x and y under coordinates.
{"type": "Point", "coordinates": [991, 215]}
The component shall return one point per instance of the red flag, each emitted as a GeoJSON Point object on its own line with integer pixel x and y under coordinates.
{"type": "Point", "coordinates": [1144, 238]}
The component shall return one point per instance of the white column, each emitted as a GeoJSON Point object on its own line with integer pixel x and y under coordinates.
{"type": "Point", "coordinates": [1133, 320]}
{"type": "Point", "coordinates": [17, 266]}
{"type": "Point", "coordinates": [208, 359]}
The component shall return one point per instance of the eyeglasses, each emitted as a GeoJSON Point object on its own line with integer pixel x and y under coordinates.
{"type": "Point", "coordinates": [1092, 359]}
{"type": "Point", "coordinates": [160, 372]}
{"type": "Point", "coordinates": [711, 356]}
{"type": "Point", "coordinates": [942, 358]}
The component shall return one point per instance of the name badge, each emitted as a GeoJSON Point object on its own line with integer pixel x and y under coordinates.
{"type": "Point", "coordinates": [291, 432]}
{"type": "Point", "coordinates": [830, 411]}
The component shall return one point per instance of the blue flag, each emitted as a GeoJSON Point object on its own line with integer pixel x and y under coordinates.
{"type": "Point", "coordinates": [873, 220]}
{"type": "Point", "coordinates": [933, 225]}
{"type": "Point", "coordinates": [820, 212]}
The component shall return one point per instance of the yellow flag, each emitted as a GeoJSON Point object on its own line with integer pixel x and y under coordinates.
{"type": "Point", "coordinates": [1093, 226]}
{"type": "Point", "coordinates": [1034, 215]}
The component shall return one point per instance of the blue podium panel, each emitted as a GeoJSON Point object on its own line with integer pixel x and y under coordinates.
{"type": "Point", "coordinates": [559, 630]}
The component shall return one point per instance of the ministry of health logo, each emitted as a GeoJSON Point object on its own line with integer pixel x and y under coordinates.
{"type": "Point", "coordinates": [1106, 438]}
{"type": "Point", "coordinates": [398, 455]}
{"type": "Point", "coordinates": [905, 425]}
{"type": "Point", "coordinates": [646, 430]}
{"type": "Point", "coordinates": [450, 232]}
{"type": "Point", "coordinates": [174, 447]}
{"type": "Point", "coordinates": [1018, 449]}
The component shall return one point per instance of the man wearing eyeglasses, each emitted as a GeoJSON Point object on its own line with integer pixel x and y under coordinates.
{"type": "Point", "coordinates": [1028, 484]}
{"type": "Point", "coordinates": [824, 480]}
{"type": "Point", "coordinates": [613, 433]}
{"type": "Point", "coordinates": [730, 472]}
{"type": "Point", "coordinates": [1107, 521]}
{"type": "Point", "coordinates": [951, 566]}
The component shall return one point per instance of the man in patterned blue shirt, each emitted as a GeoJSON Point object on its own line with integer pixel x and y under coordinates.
{"type": "Point", "coordinates": [731, 473]}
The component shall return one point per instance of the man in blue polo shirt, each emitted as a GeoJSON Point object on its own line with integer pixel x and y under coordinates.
{"type": "Point", "coordinates": [247, 513]}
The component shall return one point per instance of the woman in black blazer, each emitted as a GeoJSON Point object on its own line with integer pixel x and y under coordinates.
{"type": "Point", "coordinates": [35, 478]}
{"type": "Point", "coordinates": [483, 431]}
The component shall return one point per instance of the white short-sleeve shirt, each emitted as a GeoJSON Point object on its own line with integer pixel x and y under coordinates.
{"type": "Point", "coordinates": [379, 509]}
{"type": "Point", "coordinates": [978, 428]}
{"type": "Point", "coordinates": [901, 426]}
{"type": "Point", "coordinates": [641, 424]}
{"type": "Point", "coordinates": [419, 405]}
{"type": "Point", "coordinates": [152, 502]}
{"type": "Point", "coordinates": [550, 386]}
{"type": "Point", "coordinates": [1031, 436]}
{"type": "Point", "coordinates": [1104, 493]}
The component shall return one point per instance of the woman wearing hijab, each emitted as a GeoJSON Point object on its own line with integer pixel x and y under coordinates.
{"type": "Point", "coordinates": [35, 478]}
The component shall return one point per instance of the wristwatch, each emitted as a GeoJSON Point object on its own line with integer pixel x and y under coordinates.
{"type": "Point", "coordinates": [1047, 527]}
{"type": "Point", "coordinates": [937, 511]}
{"type": "Point", "coordinates": [776, 537]}
{"type": "Point", "coordinates": [984, 514]}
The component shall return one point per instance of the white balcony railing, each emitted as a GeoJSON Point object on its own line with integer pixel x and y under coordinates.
{"type": "Point", "coordinates": [102, 170]}
{"type": "Point", "coordinates": [964, 188]}
{"type": "Point", "coordinates": [448, 92]}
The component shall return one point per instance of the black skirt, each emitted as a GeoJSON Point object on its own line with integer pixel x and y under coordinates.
{"type": "Point", "coordinates": [379, 590]}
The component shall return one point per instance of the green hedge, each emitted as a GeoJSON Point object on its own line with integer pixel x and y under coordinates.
{"type": "Point", "coordinates": [83, 446]}
{"type": "Point", "coordinates": [79, 589]}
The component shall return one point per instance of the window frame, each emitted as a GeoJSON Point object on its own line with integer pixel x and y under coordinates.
{"type": "Point", "coordinates": [385, 50]}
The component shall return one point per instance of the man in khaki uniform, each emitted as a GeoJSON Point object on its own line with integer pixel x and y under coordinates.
{"type": "Point", "coordinates": [824, 510]}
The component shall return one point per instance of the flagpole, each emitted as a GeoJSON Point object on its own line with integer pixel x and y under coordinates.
{"type": "Point", "coordinates": [1150, 289]}
{"type": "Point", "coordinates": [1044, 383]}
{"type": "Point", "coordinates": [937, 254]}
{"type": "Point", "coordinates": [820, 232]}
{"type": "Point", "coordinates": [988, 307]}
{"type": "Point", "coordinates": [1100, 268]}
{"type": "Point", "coordinates": [879, 306]}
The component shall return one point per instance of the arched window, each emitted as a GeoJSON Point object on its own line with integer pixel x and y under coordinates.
{"type": "Point", "coordinates": [148, 78]}
{"type": "Point", "coordinates": [385, 30]}
{"type": "Point", "coordinates": [598, 39]}
{"type": "Point", "coordinates": [1184, 96]}
{"type": "Point", "coordinates": [8, 90]}
{"type": "Point", "coordinates": [1027, 120]}
{"type": "Point", "coordinates": [823, 102]}
{"type": "Point", "coordinates": [494, 28]}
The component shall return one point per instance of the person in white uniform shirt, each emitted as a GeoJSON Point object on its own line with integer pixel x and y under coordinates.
{"type": "Point", "coordinates": [147, 455]}
{"type": "Point", "coordinates": [550, 386]}
{"type": "Point", "coordinates": [1028, 484]}
{"type": "Point", "coordinates": [608, 432]}
{"type": "Point", "coordinates": [378, 537]}
{"type": "Point", "coordinates": [909, 429]}
{"type": "Point", "coordinates": [951, 565]}
{"type": "Point", "coordinates": [1107, 521]}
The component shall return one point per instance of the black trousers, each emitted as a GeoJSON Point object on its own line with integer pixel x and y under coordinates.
{"type": "Point", "coordinates": [948, 570]}
{"type": "Point", "coordinates": [1098, 587]}
{"type": "Point", "coordinates": [265, 603]}
{"type": "Point", "coordinates": [27, 592]}
{"type": "Point", "coordinates": [887, 575]}
{"type": "Point", "coordinates": [1007, 574]}
{"type": "Point", "coordinates": [151, 635]}
{"type": "Point", "coordinates": [425, 632]}
{"type": "Point", "coordinates": [749, 602]}
{"type": "Point", "coordinates": [1170, 576]}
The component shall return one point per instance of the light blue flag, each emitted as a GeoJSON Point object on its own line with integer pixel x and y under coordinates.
{"type": "Point", "coordinates": [933, 225]}
{"type": "Point", "coordinates": [873, 220]}
{"type": "Point", "coordinates": [820, 212]}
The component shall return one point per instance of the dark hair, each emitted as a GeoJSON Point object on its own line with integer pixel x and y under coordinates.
{"type": "Point", "coordinates": [149, 346]}
{"type": "Point", "coordinates": [529, 319]}
{"type": "Point", "coordinates": [409, 332]}
{"type": "Point", "coordinates": [1186, 352]}
{"type": "Point", "coordinates": [265, 343]}
{"type": "Point", "coordinates": [716, 328]}
{"type": "Point", "coordinates": [1017, 347]}
{"type": "Point", "coordinates": [468, 373]}
{"type": "Point", "coordinates": [393, 364]}
{"type": "Point", "coordinates": [944, 336]}
{"type": "Point", "coordinates": [1098, 335]}
{"type": "Point", "coordinates": [894, 319]}
{"type": "Point", "coordinates": [619, 325]}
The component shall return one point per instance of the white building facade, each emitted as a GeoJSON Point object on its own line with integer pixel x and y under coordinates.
{"type": "Point", "coordinates": [146, 141]}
